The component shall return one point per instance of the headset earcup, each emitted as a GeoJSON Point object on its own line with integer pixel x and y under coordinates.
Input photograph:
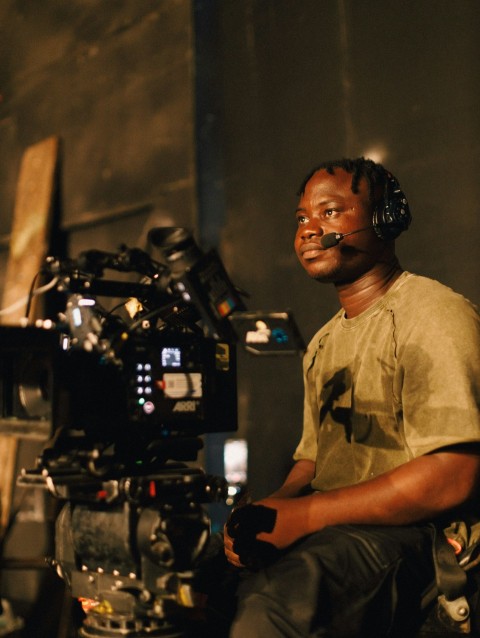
{"type": "Point", "coordinates": [391, 219]}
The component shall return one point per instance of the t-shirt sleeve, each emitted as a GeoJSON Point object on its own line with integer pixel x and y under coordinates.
{"type": "Point", "coordinates": [438, 380]}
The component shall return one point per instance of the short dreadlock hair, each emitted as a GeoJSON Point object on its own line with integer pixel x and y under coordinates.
{"type": "Point", "coordinates": [375, 174]}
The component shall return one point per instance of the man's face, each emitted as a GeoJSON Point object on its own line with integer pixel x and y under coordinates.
{"type": "Point", "coordinates": [328, 205]}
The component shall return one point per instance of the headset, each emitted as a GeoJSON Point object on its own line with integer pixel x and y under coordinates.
{"type": "Point", "coordinates": [392, 216]}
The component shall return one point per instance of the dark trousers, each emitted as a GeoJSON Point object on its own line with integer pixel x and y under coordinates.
{"type": "Point", "coordinates": [344, 581]}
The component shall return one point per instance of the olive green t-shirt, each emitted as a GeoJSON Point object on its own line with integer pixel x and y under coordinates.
{"type": "Point", "coordinates": [398, 381]}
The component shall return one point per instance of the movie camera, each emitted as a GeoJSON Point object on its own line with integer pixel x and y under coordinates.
{"type": "Point", "coordinates": [124, 395]}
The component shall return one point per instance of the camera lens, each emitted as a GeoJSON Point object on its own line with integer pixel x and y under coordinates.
{"type": "Point", "coordinates": [177, 246]}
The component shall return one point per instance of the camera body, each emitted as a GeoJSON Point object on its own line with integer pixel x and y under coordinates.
{"type": "Point", "coordinates": [142, 384]}
{"type": "Point", "coordinates": [122, 399]}
{"type": "Point", "coordinates": [159, 385]}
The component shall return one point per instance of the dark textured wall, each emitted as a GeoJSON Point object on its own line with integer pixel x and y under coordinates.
{"type": "Point", "coordinates": [115, 81]}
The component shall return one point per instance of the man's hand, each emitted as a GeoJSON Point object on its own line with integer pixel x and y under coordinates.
{"type": "Point", "coordinates": [232, 557]}
{"type": "Point", "coordinates": [254, 534]}
{"type": "Point", "coordinates": [290, 523]}
{"type": "Point", "coordinates": [242, 547]}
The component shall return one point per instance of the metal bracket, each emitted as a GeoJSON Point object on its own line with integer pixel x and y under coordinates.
{"type": "Point", "coordinates": [457, 610]}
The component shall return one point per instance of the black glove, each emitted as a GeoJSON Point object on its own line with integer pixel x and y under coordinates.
{"type": "Point", "coordinates": [243, 526]}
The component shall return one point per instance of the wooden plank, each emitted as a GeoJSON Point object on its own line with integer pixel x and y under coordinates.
{"type": "Point", "coordinates": [31, 222]}
{"type": "Point", "coordinates": [30, 236]}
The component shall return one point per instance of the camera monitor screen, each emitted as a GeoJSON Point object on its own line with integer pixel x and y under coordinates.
{"type": "Point", "coordinates": [268, 333]}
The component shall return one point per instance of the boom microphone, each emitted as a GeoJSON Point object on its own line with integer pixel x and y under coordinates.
{"type": "Point", "coordinates": [332, 239]}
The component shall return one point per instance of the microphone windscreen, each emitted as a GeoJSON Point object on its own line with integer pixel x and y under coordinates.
{"type": "Point", "coordinates": [330, 239]}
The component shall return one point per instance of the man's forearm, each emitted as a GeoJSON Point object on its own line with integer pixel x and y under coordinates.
{"type": "Point", "coordinates": [421, 489]}
{"type": "Point", "coordinates": [299, 477]}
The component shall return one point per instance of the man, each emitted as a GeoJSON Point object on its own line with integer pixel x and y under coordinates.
{"type": "Point", "coordinates": [391, 428]}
